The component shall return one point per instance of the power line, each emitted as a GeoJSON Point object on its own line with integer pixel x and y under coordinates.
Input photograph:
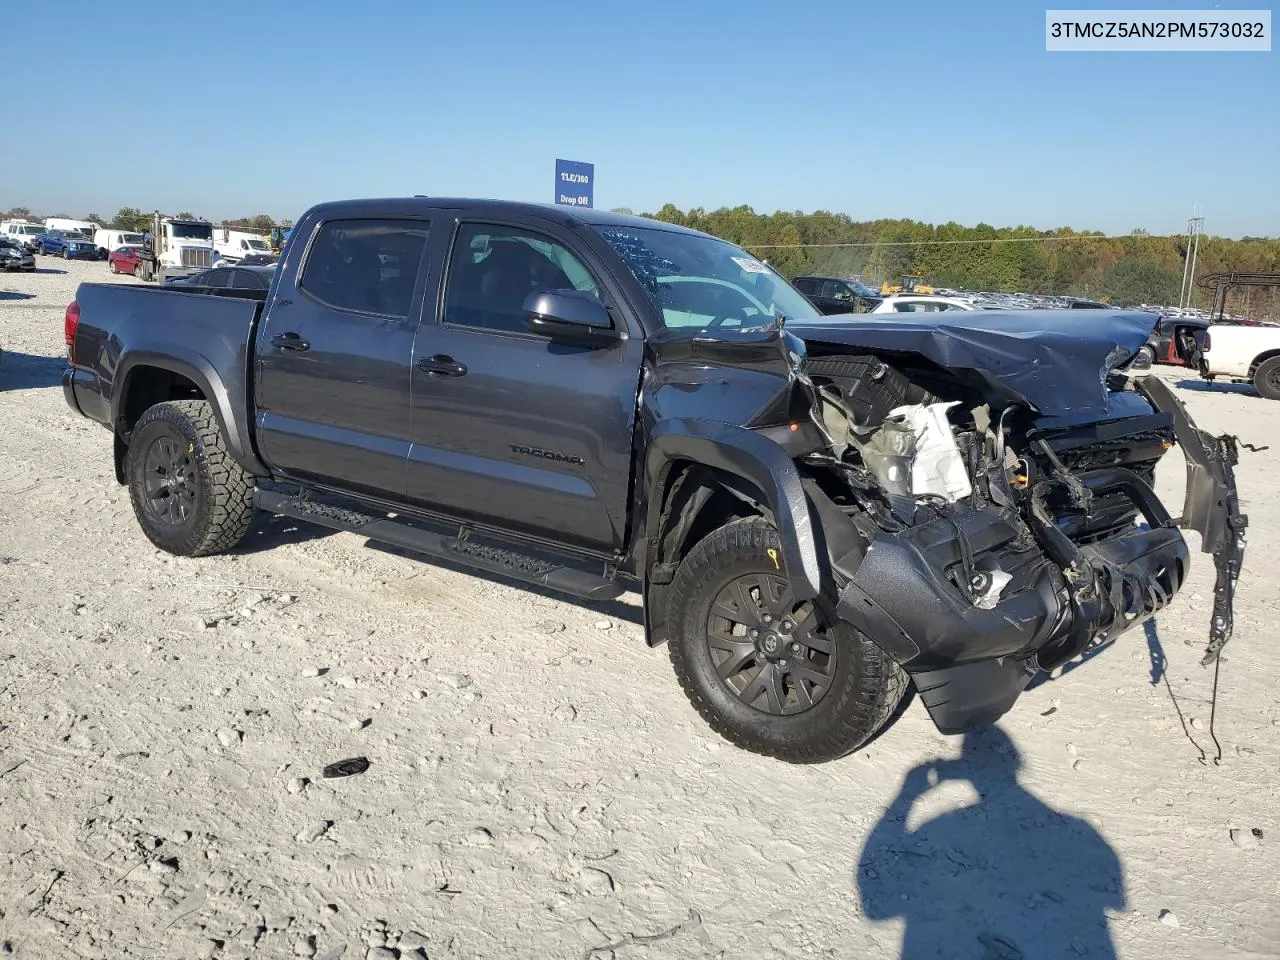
{"type": "Point", "coordinates": [926, 243]}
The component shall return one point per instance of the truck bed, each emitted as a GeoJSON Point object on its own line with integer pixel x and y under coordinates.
{"type": "Point", "coordinates": [208, 339]}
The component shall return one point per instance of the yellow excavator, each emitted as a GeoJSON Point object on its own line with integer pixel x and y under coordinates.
{"type": "Point", "coordinates": [279, 234]}
{"type": "Point", "coordinates": [908, 285]}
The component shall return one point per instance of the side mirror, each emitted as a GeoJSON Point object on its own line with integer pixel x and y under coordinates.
{"type": "Point", "coordinates": [570, 316]}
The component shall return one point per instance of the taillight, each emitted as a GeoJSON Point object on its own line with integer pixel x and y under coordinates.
{"type": "Point", "coordinates": [1207, 342]}
{"type": "Point", "coordinates": [69, 325]}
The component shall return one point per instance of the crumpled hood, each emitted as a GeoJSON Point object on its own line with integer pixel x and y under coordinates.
{"type": "Point", "coordinates": [1055, 360]}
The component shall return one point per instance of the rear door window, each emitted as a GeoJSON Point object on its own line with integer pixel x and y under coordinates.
{"type": "Point", "coordinates": [365, 266]}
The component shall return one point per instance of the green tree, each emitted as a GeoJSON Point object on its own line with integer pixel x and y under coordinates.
{"type": "Point", "coordinates": [261, 223]}
{"type": "Point", "coordinates": [1133, 281]}
{"type": "Point", "coordinates": [131, 219]}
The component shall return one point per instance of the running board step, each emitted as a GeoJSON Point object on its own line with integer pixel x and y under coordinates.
{"type": "Point", "coordinates": [482, 555]}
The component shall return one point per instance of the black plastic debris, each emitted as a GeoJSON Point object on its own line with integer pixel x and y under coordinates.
{"type": "Point", "coordinates": [346, 768]}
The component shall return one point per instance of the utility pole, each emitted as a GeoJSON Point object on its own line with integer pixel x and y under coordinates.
{"type": "Point", "coordinates": [1195, 226]}
{"type": "Point", "coordinates": [1186, 266]}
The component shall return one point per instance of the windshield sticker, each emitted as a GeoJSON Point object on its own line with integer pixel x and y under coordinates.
{"type": "Point", "coordinates": [750, 266]}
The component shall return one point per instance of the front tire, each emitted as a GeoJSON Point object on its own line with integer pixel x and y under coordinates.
{"type": "Point", "coordinates": [111, 265]}
{"type": "Point", "coordinates": [190, 497]}
{"type": "Point", "coordinates": [774, 677]}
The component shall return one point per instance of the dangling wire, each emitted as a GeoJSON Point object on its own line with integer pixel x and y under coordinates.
{"type": "Point", "coordinates": [1213, 709]}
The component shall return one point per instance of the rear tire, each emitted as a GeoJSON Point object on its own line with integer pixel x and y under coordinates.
{"type": "Point", "coordinates": [1145, 358]}
{"type": "Point", "coordinates": [824, 689]}
{"type": "Point", "coordinates": [190, 497]}
{"type": "Point", "coordinates": [1266, 379]}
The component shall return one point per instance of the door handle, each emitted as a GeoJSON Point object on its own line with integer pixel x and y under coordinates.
{"type": "Point", "coordinates": [290, 341]}
{"type": "Point", "coordinates": [442, 365]}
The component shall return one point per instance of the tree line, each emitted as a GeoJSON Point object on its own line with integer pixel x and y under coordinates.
{"type": "Point", "coordinates": [1128, 270]}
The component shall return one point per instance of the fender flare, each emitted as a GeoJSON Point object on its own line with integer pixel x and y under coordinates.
{"type": "Point", "coordinates": [231, 416]}
{"type": "Point", "coordinates": [758, 460]}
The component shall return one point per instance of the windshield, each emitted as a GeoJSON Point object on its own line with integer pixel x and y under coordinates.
{"type": "Point", "coordinates": [702, 282]}
{"type": "Point", "coordinates": [259, 246]}
{"type": "Point", "coordinates": [191, 231]}
{"type": "Point", "coordinates": [861, 289]}
{"type": "Point", "coordinates": [127, 238]}
{"type": "Point", "coordinates": [31, 230]}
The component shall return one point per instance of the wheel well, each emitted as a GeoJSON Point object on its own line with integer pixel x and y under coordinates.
{"type": "Point", "coordinates": [696, 499]}
{"type": "Point", "coordinates": [146, 387]}
{"type": "Point", "coordinates": [1260, 359]}
{"type": "Point", "coordinates": [699, 499]}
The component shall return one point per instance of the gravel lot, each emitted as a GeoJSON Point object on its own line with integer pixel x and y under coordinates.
{"type": "Point", "coordinates": [538, 785]}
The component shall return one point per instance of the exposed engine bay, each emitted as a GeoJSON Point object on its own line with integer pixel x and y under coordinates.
{"type": "Point", "coordinates": [993, 546]}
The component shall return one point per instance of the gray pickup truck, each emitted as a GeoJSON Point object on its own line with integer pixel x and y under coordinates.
{"type": "Point", "coordinates": [819, 512]}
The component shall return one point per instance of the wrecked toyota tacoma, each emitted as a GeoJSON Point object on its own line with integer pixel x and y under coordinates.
{"type": "Point", "coordinates": [819, 512]}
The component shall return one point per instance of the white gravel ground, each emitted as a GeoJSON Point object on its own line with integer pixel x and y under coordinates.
{"type": "Point", "coordinates": [538, 785]}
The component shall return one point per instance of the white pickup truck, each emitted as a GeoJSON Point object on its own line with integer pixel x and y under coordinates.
{"type": "Point", "coordinates": [1245, 354]}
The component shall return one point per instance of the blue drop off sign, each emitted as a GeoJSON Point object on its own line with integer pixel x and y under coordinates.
{"type": "Point", "coordinates": [575, 183]}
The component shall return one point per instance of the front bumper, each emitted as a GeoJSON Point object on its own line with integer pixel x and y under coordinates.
{"type": "Point", "coordinates": [24, 263]}
{"type": "Point", "coordinates": [971, 656]}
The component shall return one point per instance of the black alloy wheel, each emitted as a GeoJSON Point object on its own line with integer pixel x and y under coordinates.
{"type": "Point", "coordinates": [171, 483]}
{"type": "Point", "coordinates": [773, 655]}
{"type": "Point", "coordinates": [785, 679]}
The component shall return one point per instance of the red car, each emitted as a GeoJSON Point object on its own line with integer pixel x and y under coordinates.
{"type": "Point", "coordinates": [123, 260]}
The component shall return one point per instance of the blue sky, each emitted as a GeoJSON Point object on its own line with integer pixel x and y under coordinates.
{"type": "Point", "coordinates": [933, 110]}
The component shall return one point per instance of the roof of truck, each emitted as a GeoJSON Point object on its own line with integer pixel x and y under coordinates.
{"type": "Point", "coordinates": [584, 215]}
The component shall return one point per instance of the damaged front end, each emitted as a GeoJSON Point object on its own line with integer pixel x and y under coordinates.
{"type": "Point", "coordinates": [979, 533]}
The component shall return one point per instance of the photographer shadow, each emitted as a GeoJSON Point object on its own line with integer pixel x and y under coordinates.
{"type": "Point", "coordinates": [1005, 878]}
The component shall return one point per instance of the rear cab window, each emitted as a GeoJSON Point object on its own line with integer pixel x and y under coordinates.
{"type": "Point", "coordinates": [365, 265]}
